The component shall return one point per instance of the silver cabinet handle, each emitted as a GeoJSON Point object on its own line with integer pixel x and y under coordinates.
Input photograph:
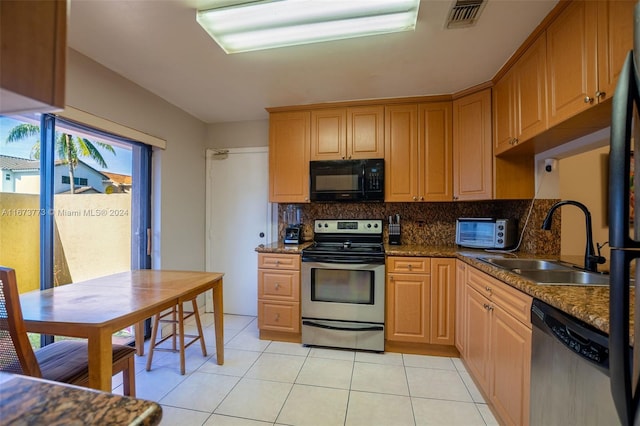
{"type": "Point", "coordinates": [600, 94]}
{"type": "Point", "coordinates": [588, 100]}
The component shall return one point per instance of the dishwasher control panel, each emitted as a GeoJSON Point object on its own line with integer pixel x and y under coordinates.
{"type": "Point", "coordinates": [581, 345]}
{"type": "Point", "coordinates": [579, 337]}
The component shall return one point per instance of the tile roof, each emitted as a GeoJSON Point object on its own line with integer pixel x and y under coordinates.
{"type": "Point", "coordinates": [119, 178]}
{"type": "Point", "coordinates": [15, 163]}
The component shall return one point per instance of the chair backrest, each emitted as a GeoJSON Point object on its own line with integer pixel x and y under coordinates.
{"type": "Point", "coordinates": [16, 353]}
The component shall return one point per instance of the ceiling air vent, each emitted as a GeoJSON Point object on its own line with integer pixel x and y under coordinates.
{"type": "Point", "coordinates": [465, 13]}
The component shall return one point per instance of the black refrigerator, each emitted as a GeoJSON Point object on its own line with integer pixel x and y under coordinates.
{"type": "Point", "coordinates": [624, 235]}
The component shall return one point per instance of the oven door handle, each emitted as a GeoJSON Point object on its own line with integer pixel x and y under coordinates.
{"type": "Point", "coordinates": [342, 259]}
{"type": "Point", "coordinates": [333, 327]}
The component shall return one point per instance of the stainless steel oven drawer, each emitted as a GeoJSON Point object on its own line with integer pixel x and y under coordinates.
{"type": "Point", "coordinates": [343, 334]}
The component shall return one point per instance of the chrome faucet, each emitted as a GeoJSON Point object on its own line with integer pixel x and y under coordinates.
{"type": "Point", "coordinates": [591, 260]}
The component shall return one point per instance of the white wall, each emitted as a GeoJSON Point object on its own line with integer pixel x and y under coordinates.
{"type": "Point", "coordinates": [239, 134]}
{"type": "Point", "coordinates": [580, 175]}
{"type": "Point", "coordinates": [178, 172]}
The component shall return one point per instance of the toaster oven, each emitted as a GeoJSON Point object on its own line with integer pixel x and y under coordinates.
{"type": "Point", "coordinates": [486, 233]}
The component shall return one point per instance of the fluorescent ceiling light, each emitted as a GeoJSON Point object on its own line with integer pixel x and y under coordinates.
{"type": "Point", "coordinates": [268, 24]}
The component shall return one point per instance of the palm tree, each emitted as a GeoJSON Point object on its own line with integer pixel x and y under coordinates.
{"type": "Point", "coordinates": [69, 148]}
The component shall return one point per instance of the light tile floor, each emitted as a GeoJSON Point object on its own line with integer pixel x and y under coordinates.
{"type": "Point", "coordinates": [274, 383]}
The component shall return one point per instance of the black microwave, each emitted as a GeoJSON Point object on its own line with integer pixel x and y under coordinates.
{"type": "Point", "coordinates": [347, 180]}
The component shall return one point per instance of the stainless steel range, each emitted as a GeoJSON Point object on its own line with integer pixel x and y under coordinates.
{"type": "Point", "coordinates": [343, 285]}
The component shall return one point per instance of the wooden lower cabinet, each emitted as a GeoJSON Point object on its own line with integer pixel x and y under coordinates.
{"type": "Point", "coordinates": [497, 344]}
{"type": "Point", "coordinates": [420, 300]}
{"type": "Point", "coordinates": [460, 312]}
{"type": "Point", "coordinates": [279, 296]}
{"type": "Point", "coordinates": [510, 366]}
{"type": "Point", "coordinates": [478, 330]}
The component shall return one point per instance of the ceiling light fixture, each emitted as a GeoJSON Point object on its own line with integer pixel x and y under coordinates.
{"type": "Point", "coordinates": [268, 24]}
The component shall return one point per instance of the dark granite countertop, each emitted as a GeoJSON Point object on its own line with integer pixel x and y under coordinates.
{"type": "Point", "coordinates": [280, 247]}
{"type": "Point", "coordinates": [30, 401]}
{"type": "Point", "coordinates": [587, 303]}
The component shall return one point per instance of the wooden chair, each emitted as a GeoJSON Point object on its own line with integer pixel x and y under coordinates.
{"type": "Point", "coordinates": [65, 361]}
{"type": "Point", "coordinates": [176, 317]}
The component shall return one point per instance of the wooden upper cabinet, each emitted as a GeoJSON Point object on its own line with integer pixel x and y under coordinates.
{"type": "Point", "coordinates": [365, 132]}
{"type": "Point", "coordinates": [419, 158]}
{"type": "Point", "coordinates": [289, 157]}
{"type": "Point", "coordinates": [401, 147]}
{"type": "Point", "coordinates": [504, 132]}
{"type": "Point", "coordinates": [347, 133]}
{"type": "Point", "coordinates": [33, 55]}
{"type": "Point", "coordinates": [435, 145]}
{"type": "Point", "coordinates": [328, 134]}
{"type": "Point", "coordinates": [530, 91]}
{"type": "Point", "coordinates": [520, 101]}
{"type": "Point", "coordinates": [572, 61]}
{"type": "Point", "coordinates": [615, 39]}
{"type": "Point", "coordinates": [472, 153]}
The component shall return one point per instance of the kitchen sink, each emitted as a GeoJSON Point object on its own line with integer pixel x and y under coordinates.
{"type": "Point", "coordinates": [527, 264]}
{"type": "Point", "coordinates": [565, 277]}
{"type": "Point", "coordinates": [548, 272]}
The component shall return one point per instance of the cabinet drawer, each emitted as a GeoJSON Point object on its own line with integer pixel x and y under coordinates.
{"type": "Point", "coordinates": [279, 316]}
{"type": "Point", "coordinates": [280, 285]}
{"type": "Point", "coordinates": [420, 265]}
{"type": "Point", "coordinates": [279, 261]}
{"type": "Point", "coordinates": [510, 299]}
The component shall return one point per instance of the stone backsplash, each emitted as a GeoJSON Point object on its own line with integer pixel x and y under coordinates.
{"type": "Point", "coordinates": [434, 224]}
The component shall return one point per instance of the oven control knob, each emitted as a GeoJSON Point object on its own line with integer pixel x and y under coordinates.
{"type": "Point", "coordinates": [375, 225]}
{"type": "Point", "coordinates": [368, 225]}
{"type": "Point", "coordinates": [326, 225]}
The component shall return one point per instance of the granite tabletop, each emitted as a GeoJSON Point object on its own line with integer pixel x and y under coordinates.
{"type": "Point", "coordinates": [587, 303]}
{"type": "Point", "coordinates": [30, 401]}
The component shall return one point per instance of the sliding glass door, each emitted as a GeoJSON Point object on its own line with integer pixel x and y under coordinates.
{"type": "Point", "coordinates": [89, 198]}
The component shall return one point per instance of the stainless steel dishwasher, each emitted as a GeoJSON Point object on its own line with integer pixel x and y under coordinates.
{"type": "Point", "coordinates": [569, 371]}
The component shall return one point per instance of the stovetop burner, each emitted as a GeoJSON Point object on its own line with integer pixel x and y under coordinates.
{"type": "Point", "coordinates": [342, 239]}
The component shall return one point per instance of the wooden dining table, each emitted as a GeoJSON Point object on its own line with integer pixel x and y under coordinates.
{"type": "Point", "coordinates": [95, 309]}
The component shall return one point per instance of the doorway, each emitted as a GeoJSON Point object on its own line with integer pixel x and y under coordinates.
{"type": "Point", "coordinates": [239, 218]}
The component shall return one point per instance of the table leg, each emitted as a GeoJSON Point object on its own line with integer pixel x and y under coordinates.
{"type": "Point", "coordinates": [139, 338]}
{"type": "Point", "coordinates": [100, 359]}
{"type": "Point", "coordinates": [218, 315]}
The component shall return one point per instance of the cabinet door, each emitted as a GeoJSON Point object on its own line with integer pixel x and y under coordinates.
{"type": "Point", "coordinates": [530, 84]}
{"type": "Point", "coordinates": [504, 131]}
{"type": "Point", "coordinates": [365, 132]}
{"type": "Point", "coordinates": [478, 331]}
{"type": "Point", "coordinates": [472, 170]}
{"type": "Point", "coordinates": [571, 61]}
{"type": "Point", "coordinates": [328, 134]}
{"type": "Point", "coordinates": [279, 285]}
{"type": "Point", "coordinates": [443, 301]}
{"type": "Point", "coordinates": [435, 146]}
{"type": "Point", "coordinates": [279, 316]}
{"type": "Point", "coordinates": [289, 157]}
{"type": "Point", "coordinates": [615, 39]}
{"type": "Point", "coordinates": [33, 52]}
{"type": "Point", "coordinates": [407, 297]}
{"type": "Point", "coordinates": [460, 327]}
{"type": "Point", "coordinates": [510, 367]}
{"type": "Point", "coordinates": [401, 159]}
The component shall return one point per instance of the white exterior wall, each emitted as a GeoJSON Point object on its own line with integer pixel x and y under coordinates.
{"type": "Point", "coordinates": [20, 182]}
{"type": "Point", "coordinates": [94, 178]}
